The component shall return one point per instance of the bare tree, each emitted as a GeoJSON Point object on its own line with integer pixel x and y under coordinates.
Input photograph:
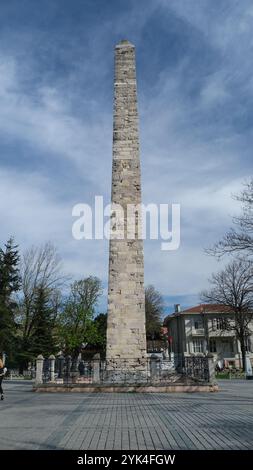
{"type": "Point", "coordinates": [232, 289]}
{"type": "Point", "coordinates": [56, 303]}
{"type": "Point", "coordinates": [154, 308]}
{"type": "Point", "coordinates": [41, 270]}
{"type": "Point", "coordinates": [239, 240]}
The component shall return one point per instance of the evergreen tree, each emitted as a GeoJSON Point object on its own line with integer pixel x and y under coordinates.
{"type": "Point", "coordinates": [42, 339]}
{"type": "Point", "coordinates": [9, 284]}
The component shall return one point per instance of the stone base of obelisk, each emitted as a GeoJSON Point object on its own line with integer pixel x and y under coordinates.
{"type": "Point", "coordinates": [126, 371]}
{"type": "Point", "coordinates": [126, 388]}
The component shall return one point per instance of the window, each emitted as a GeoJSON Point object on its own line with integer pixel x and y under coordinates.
{"type": "Point", "coordinates": [198, 324]}
{"type": "Point", "coordinates": [212, 346]}
{"type": "Point", "coordinates": [227, 346]}
{"type": "Point", "coordinates": [198, 346]}
{"type": "Point", "coordinates": [248, 345]}
{"type": "Point", "coordinates": [220, 324]}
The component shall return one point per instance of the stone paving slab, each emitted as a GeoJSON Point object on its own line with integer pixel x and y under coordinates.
{"type": "Point", "coordinates": [222, 420]}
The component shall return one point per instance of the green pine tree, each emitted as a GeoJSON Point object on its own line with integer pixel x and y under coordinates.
{"type": "Point", "coordinates": [42, 340]}
{"type": "Point", "coordinates": [9, 285]}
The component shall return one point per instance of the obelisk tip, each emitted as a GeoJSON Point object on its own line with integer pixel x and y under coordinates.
{"type": "Point", "coordinates": [124, 43]}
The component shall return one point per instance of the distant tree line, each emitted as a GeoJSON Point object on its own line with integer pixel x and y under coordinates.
{"type": "Point", "coordinates": [43, 312]}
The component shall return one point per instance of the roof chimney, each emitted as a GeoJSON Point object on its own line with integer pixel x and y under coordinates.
{"type": "Point", "coordinates": [177, 308]}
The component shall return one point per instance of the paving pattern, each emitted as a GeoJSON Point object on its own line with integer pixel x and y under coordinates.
{"type": "Point", "coordinates": [222, 420]}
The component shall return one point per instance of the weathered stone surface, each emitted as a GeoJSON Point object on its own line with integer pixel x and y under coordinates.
{"type": "Point", "coordinates": [126, 336]}
{"type": "Point", "coordinates": [87, 388]}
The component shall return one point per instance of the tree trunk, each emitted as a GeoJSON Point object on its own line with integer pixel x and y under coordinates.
{"type": "Point", "coordinates": [21, 368]}
{"type": "Point", "coordinates": [243, 350]}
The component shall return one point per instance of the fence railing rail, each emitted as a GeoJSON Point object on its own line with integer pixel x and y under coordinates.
{"type": "Point", "coordinates": [150, 370]}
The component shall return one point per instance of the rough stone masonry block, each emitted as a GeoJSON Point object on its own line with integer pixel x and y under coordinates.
{"type": "Point", "coordinates": [126, 337]}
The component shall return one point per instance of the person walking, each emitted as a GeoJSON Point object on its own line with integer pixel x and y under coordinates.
{"type": "Point", "coordinates": [2, 372]}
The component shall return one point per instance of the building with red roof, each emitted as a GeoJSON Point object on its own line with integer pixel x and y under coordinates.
{"type": "Point", "coordinates": [207, 329]}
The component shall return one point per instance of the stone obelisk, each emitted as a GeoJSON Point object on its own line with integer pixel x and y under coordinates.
{"type": "Point", "coordinates": [126, 336]}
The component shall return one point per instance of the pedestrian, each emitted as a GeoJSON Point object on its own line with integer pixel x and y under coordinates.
{"type": "Point", "coordinates": [2, 373]}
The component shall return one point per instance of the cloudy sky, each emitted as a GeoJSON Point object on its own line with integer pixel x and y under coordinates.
{"type": "Point", "coordinates": [195, 85]}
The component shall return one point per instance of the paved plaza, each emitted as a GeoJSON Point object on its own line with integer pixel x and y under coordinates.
{"type": "Point", "coordinates": [222, 420]}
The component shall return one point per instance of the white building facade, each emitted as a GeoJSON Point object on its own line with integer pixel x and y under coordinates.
{"type": "Point", "coordinates": [203, 329]}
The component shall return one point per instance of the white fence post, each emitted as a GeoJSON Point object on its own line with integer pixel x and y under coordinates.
{"type": "Point", "coordinates": [39, 369]}
{"type": "Point", "coordinates": [52, 367]}
{"type": "Point", "coordinates": [96, 368]}
{"type": "Point", "coordinates": [211, 368]}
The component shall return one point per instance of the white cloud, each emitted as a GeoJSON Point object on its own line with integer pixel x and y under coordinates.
{"type": "Point", "coordinates": [198, 164]}
{"type": "Point", "coordinates": [214, 90]}
{"type": "Point", "coordinates": [44, 120]}
{"type": "Point", "coordinates": [33, 216]}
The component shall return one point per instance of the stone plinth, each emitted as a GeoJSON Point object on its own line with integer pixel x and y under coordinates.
{"type": "Point", "coordinates": [85, 388]}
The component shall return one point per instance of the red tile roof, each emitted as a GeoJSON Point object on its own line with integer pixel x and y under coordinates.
{"type": "Point", "coordinates": [202, 308]}
{"type": "Point", "coordinates": [207, 308]}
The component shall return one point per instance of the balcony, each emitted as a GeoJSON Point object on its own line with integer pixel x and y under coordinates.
{"type": "Point", "coordinates": [198, 332]}
{"type": "Point", "coordinates": [221, 333]}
